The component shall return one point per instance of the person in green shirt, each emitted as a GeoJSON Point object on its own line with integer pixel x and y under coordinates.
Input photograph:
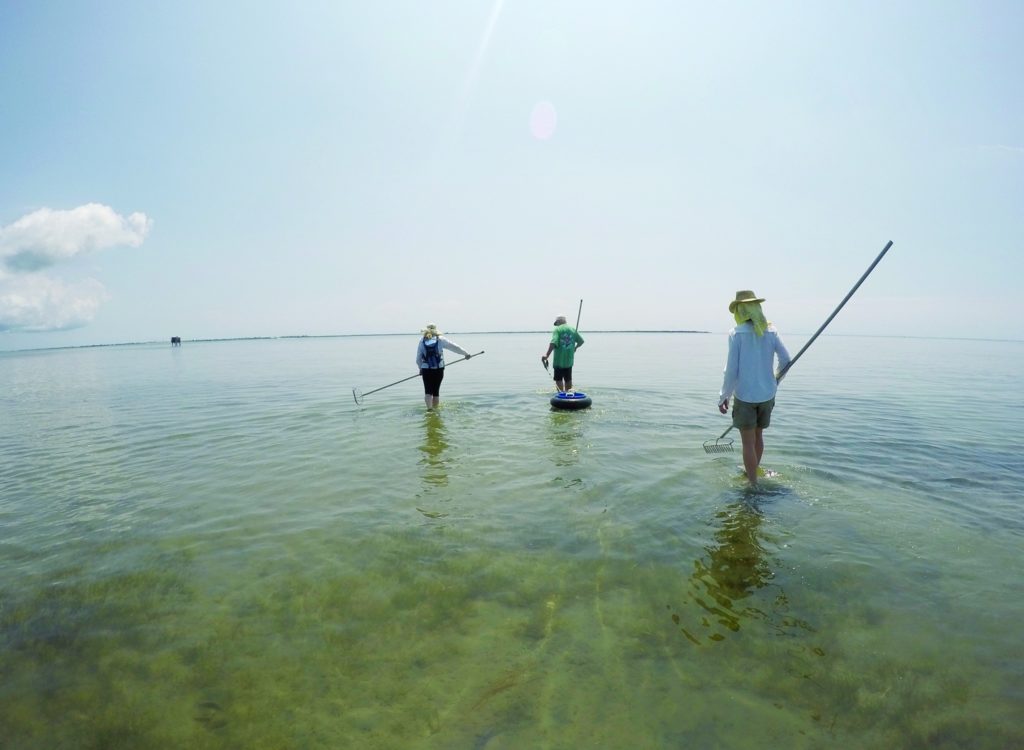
{"type": "Point", "coordinates": [565, 340]}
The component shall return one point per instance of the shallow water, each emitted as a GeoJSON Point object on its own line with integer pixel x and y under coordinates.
{"type": "Point", "coordinates": [213, 546]}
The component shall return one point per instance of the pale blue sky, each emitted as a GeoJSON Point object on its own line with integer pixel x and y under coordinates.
{"type": "Point", "coordinates": [221, 169]}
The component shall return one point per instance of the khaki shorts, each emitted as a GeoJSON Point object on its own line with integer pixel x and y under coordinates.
{"type": "Point", "coordinates": [746, 416]}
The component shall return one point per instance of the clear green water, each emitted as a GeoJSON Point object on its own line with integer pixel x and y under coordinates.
{"type": "Point", "coordinates": [213, 547]}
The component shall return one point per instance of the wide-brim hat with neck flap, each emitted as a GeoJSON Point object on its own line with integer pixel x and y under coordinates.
{"type": "Point", "coordinates": [744, 296]}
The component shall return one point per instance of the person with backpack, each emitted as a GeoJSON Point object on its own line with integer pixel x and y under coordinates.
{"type": "Point", "coordinates": [430, 360]}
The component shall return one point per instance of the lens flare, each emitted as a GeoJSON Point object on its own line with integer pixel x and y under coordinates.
{"type": "Point", "coordinates": [543, 121]}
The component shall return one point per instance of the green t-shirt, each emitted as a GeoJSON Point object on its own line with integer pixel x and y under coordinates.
{"type": "Point", "coordinates": [565, 338]}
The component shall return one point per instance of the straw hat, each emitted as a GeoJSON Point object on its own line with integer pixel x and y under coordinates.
{"type": "Point", "coordinates": [744, 296]}
{"type": "Point", "coordinates": [430, 331]}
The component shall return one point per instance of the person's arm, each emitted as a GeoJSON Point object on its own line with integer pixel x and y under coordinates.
{"type": "Point", "coordinates": [551, 347]}
{"type": "Point", "coordinates": [453, 347]}
{"type": "Point", "coordinates": [731, 374]}
{"type": "Point", "coordinates": [421, 358]}
{"type": "Point", "coordinates": [784, 359]}
{"type": "Point", "coordinates": [579, 339]}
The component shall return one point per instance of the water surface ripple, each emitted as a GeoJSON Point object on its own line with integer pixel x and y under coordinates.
{"type": "Point", "coordinates": [212, 546]}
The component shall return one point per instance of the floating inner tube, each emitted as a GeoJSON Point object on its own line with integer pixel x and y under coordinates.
{"type": "Point", "coordinates": [574, 400]}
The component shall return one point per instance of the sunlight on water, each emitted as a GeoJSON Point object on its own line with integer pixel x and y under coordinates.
{"type": "Point", "coordinates": [215, 547]}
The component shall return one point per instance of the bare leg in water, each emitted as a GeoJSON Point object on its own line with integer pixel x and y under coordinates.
{"type": "Point", "coordinates": [753, 449]}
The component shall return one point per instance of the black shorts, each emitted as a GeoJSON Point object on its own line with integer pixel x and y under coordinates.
{"type": "Point", "coordinates": [563, 373]}
{"type": "Point", "coordinates": [432, 380]}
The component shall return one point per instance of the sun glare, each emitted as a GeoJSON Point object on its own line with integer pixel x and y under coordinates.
{"type": "Point", "coordinates": [543, 121]}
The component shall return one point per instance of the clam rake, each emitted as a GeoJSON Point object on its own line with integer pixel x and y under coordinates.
{"type": "Point", "coordinates": [358, 395]}
{"type": "Point", "coordinates": [724, 445]}
{"type": "Point", "coordinates": [721, 444]}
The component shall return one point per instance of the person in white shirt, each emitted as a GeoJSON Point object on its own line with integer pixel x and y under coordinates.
{"type": "Point", "coordinates": [430, 360]}
{"type": "Point", "coordinates": [750, 378]}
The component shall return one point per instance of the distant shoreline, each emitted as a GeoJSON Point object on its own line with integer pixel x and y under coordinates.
{"type": "Point", "coordinates": [473, 333]}
{"type": "Point", "coordinates": [318, 336]}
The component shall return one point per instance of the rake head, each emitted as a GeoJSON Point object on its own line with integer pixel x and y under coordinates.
{"type": "Point", "coordinates": [357, 395]}
{"type": "Point", "coordinates": [721, 445]}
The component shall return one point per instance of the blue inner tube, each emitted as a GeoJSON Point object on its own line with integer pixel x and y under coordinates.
{"type": "Point", "coordinates": [576, 400]}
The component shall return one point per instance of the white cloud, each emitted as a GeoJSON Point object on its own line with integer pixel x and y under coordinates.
{"type": "Point", "coordinates": [45, 237]}
{"type": "Point", "coordinates": [35, 302]}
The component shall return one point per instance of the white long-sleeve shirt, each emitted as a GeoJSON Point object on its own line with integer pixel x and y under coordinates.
{"type": "Point", "coordinates": [421, 352]}
{"type": "Point", "coordinates": [749, 372]}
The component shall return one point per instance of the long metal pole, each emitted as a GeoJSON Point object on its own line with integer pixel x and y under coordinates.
{"type": "Point", "coordinates": [835, 312]}
{"type": "Point", "coordinates": [415, 376]}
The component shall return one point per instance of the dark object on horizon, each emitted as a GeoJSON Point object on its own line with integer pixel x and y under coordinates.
{"type": "Point", "coordinates": [175, 340]}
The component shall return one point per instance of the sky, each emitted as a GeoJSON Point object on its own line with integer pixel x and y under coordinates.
{"type": "Point", "coordinates": [234, 169]}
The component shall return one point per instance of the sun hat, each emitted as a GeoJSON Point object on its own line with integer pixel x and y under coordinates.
{"type": "Point", "coordinates": [560, 320]}
{"type": "Point", "coordinates": [430, 331]}
{"type": "Point", "coordinates": [744, 296]}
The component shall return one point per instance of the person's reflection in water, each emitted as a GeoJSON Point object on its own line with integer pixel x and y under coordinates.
{"type": "Point", "coordinates": [565, 431]}
{"type": "Point", "coordinates": [736, 568]}
{"type": "Point", "coordinates": [736, 565]}
{"type": "Point", "coordinates": [435, 443]}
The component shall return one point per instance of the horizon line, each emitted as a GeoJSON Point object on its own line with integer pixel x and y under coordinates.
{"type": "Point", "coordinates": [481, 333]}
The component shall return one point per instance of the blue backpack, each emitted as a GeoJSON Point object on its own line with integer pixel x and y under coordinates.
{"type": "Point", "coordinates": [433, 356]}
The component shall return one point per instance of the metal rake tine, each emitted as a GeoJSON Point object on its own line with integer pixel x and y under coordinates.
{"type": "Point", "coordinates": [717, 447]}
